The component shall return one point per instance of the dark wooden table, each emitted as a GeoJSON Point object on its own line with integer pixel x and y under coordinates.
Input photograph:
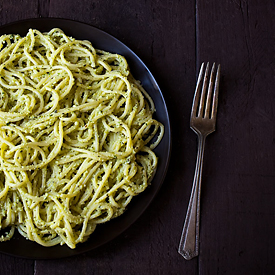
{"type": "Point", "coordinates": [238, 191]}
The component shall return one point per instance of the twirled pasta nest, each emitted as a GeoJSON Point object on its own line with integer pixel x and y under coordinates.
{"type": "Point", "coordinates": [75, 128]}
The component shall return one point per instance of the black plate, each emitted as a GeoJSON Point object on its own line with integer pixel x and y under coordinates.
{"type": "Point", "coordinates": [18, 246]}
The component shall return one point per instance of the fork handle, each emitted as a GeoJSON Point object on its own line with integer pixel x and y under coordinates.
{"type": "Point", "coordinates": [189, 243]}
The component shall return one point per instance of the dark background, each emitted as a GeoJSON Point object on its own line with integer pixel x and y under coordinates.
{"type": "Point", "coordinates": [238, 188]}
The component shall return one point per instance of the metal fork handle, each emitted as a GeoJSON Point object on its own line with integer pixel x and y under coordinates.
{"type": "Point", "coordinates": [189, 242]}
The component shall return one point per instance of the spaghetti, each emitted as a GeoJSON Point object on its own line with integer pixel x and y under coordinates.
{"type": "Point", "coordinates": [76, 137]}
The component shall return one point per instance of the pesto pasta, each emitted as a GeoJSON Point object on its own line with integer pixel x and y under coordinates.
{"type": "Point", "coordinates": [77, 135]}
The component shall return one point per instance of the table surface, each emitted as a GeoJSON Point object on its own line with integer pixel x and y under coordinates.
{"type": "Point", "coordinates": [238, 183]}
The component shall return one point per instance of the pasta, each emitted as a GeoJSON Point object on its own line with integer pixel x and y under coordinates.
{"type": "Point", "coordinates": [77, 135]}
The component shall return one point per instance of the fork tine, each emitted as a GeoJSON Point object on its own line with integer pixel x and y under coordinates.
{"type": "Point", "coordinates": [216, 92]}
{"type": "Point", "coordinates": [196, 99]}
{"type": "Point", "coordinates": [203, 93]}
{"type": "Point", "coordinates": [209, 92]}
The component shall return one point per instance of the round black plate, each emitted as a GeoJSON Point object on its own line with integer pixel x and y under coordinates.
{"type": "Point", "coordinates": [19, 246]}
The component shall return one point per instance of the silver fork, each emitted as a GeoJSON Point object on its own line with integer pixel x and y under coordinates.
{"type": "Point", "coordinates": [203, 123]}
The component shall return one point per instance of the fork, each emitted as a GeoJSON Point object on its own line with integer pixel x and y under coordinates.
{"type": "Point", "coordinates": [203, 123]}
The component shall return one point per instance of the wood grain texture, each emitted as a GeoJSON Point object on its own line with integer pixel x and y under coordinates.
{"type": "Point", "coordinates": [238, 193]}
{"type": "Point", "coordinates": [238, 209]}
{"type": "Point", "coordinates": [11, 265]}
{"type": "Point", "coordinates": [13, 10]}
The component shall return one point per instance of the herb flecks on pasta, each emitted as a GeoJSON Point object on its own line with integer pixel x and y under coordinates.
{"type": "Point", "coordinates": [76, 133]}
